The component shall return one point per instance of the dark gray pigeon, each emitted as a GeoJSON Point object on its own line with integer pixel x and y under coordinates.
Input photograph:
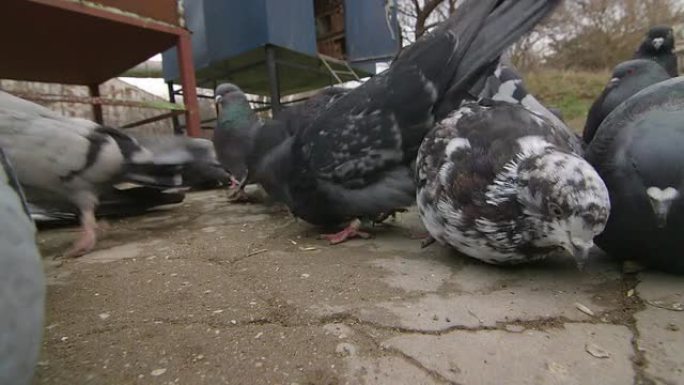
{"type": "Point", "coordinates": [70, 160]}
{"type": "Point", "coordinates": [354, 161]}
{"type": "Point", "coordinates": [638, 153]}
{"type": "Point", "coordinates": [242, 139]}
{"type": "Point", "coordinates": [22, 284]}
{"type": "Point", "coordinates": [503, 184]}
{"type": "Point", "coordinates": [658, 45]}
{"type": "Point", "coordinates": [628, 78]}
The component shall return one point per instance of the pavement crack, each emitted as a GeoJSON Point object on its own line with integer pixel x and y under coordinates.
{"type": "Point", "coordinates": [631, 305]}
{"type": "Point", "coordinates": [434, 374]}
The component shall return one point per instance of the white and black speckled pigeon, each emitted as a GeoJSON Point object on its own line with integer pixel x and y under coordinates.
{"type": "Point", "coordinates": [628, 78]}
{"type": "Point", "coordinates": [658, 45]}
{"type": "Point", "coordinates": [638, 153]}
{"type": "Point", "coordinates": [69, 160]}
{"type": "Point", "coordinates": [502, 184]}
{"type": "Point", "coordinates": [22, 285]}
{"type": "Point", "coordinates": [354, 161]}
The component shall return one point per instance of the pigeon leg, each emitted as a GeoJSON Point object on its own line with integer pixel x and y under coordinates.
{"type": "Point", "coordinates": [86, 241]}
{"type": "Point", "coordinates": [237, 192]}
{"type": "Point", "coordinates": [349, 232]}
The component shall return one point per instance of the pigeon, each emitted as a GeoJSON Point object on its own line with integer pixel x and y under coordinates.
{"type": "Point", "coordinates": [241, 138]}
{"type": "Point", "coordinates": [628, 78]}
{"type": "Point", "coordinates": [502, 184]}
{"type": "Point", "coordinates": [22, 284]}
{"type": "Point", "coordinates": [354, 161]}
{"type": "Point", "coordinates": [658, 45]}
{"type": "Point", "coordinates": [638, 153]}
{"type": "Point", "coordinates": [72, 160]}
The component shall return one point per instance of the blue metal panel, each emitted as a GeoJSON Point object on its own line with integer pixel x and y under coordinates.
{"type": "Point", "coordinates": [371, 30]}
{"type": "Point", "coordinates": [291, 25]}
{"type": "Point", "coordinates": [194, 21]}
{"type": "Point", "coordinates": [225, 29]}
{"type": "Point", "coordinates": [234, 27]}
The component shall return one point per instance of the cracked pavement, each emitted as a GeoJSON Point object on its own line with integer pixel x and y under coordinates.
{"type": "Point", "coordinates": [209, 292]}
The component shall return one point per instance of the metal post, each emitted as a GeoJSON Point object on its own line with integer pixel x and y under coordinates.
{"type": "Point", "coordinates": [174, 119]}
{"type": "Point", "coordinates": [94, 90]}
{"type": "Point", "coordinates": [187, 75]}
{"type": "Point", "coordinates": [273, 82]}
{"type": "Point", "coordinates": [216, 106]}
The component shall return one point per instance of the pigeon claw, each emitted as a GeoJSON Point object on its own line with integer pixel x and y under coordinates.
{"type": "Point", "coordinates": [86, 242]}
{"type": "Point", "coordinates": [83, 245]}
{"type": "Point", "coordinates": [349, 232]}
{"type": "Point", "coordinates": [238, 196]}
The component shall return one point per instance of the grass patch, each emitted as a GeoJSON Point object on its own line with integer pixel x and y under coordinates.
{"type": "Point", "coordinates": [571, 91]}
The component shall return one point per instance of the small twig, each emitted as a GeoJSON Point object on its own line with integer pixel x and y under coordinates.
{"type": "Point", "coordinates": [255, 252]}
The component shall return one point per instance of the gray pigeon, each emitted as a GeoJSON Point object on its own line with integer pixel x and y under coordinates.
{"type": "Point", "coordinates": [628, 78]}
{"type": "Point", "coordinates": [69, 160]}
{"type": "Point", "coordinates": [354, 161]}
{"type": "Point", "coordinates": [242, 139]}
{"type": "Point", "coordinates": [504, 185]}
{"type": "Point", "coordinates": [638, 153]}
{"type": "Point", "coordinates": [658, 45]}
{"type": "Point", "coordinates": [22, 284]}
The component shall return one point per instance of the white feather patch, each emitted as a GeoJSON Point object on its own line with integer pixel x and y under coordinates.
{"type": "Point", "coordinates": [532, 144]}
{"type": "Point", "coordinates": [668, 194]}
{"type": "Point", "coordinates": [456, 144]}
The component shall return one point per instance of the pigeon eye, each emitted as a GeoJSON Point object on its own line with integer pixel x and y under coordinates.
{"type": "Point", "coordinates": [555, 210]}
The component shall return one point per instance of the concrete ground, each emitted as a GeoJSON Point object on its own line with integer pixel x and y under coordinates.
{"type": "Point", "coordinates": [208, 292]}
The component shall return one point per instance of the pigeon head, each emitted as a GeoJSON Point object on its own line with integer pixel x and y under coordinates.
{"type": "Point", "coordinates": [636, 70]}
{"type": "Point", "coordinates": [659, 39]}
{"type": "Point", "coordinates": [629, 78]}
{"type": "Point", "coordinates": [564, 201]}
{"type": "Point", "coordinates": [235, 108]}
{"type": "Point", "coordinates": [228, 91]}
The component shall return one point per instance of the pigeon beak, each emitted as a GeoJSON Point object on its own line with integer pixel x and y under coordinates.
{"type": "Point", "coordinates": [612, 82]}
{"type": "Point", "coordinates": [658, 42]}
{"type": "Point", "coordinates": [661, 201]}
{"type": "Point", "coordinates": [218, 99]}
{"type": "Point", "coordinates": [579, 250]}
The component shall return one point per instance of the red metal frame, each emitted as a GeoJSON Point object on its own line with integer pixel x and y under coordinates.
{"type": "Point", "coordinates": [188, 82]}
{"type": "Point", "coordinates": [182, 35]}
